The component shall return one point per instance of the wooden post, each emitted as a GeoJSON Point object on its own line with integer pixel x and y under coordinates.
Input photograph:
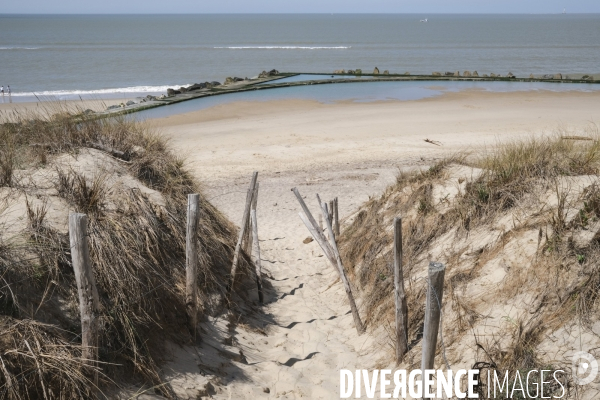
{"type": "Point", "coordinates": [357, 322]}
{"type": "Point", "coordinates": [330, 210]}
{"type": "Point", "coordinates": [319, 239]}
{"type": "Point", "coordinates": [86, 287]}
{"type": "Point", "coordinates": [248, 246]}
{"type": "Point", "coordinates": [336, 217]}
{"type": "Point", "coordinates": [433, 310]}
{"type": "Point", "coordinates": [256, 254]}
{"type": "Point", "coordinates": [245, 219]}
{"type": "Point", "coordinates": [311, 221]}
{"type": "Point", "coordinates": [191, 261]}
{"type": "Point", "coordinates": [320, 222]}
{"type": "Point", "coordinates": [326, 217]}
{"type": "Point", "coordinates": [399, 295]}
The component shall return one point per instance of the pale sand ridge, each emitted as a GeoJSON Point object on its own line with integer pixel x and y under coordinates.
{"type": "Point", "coordinates": [347, 150]}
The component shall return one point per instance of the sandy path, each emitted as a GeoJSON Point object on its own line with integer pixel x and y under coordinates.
{"type": "Point", "coordinates": [351, 151]}
{"type": "Point", "coordinates": [310, 334]}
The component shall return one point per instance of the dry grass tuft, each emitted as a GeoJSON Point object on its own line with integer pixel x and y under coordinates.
{"type": "Point", "coordinates": [517, 216]}
{"type": "Point", "coordinates": [137, 247]}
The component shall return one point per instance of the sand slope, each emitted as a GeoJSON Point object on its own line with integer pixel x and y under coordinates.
{"type": "Point", "coordinates": [350, 151]}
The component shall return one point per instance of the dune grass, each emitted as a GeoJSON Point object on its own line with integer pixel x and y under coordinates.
{"type": "Point", "coordinates": [137, 249]}
{"type": "Point", "coordinates": [515, 182]}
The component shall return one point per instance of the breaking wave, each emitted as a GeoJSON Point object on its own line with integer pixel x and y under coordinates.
{"type": "Point", "coordinates": [285, 47]}
{"type": "Point", "coordinates": [133, 89]}
{"type": "Point", "coordinates": [19, 48]}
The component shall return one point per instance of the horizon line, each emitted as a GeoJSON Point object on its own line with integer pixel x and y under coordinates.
{"type": "Point", "coordinates": [311, 13]}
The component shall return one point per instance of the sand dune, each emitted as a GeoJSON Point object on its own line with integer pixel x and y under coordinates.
{"type": "Point", "coordinates": [347, 150]}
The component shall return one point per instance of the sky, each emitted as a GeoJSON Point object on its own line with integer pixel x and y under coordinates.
{"type": "Point", "coordinates": [296, 6]}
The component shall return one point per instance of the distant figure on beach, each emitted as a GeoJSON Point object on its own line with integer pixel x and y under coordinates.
{"type": "Point", "coordinates": [2, 90]}
{"type": "Point", "coordinates": [9, 96]}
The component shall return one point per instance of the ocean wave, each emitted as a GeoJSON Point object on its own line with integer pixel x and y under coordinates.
{"type": "Point", "coordinates": [133, 89]}
{"type": "Point", "coordinates": [285, 47]}
{"type": "Point", "coordinates": [19, 48]}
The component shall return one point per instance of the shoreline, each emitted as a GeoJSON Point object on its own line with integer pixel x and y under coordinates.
{"type": "Point", "coordinates": [99, 105]}
{"type": "Point", "coordinates": [261, 84]}
{"type": "Point", "coordinates": [96, 105]}
{"type": "Point", "coordinates": [230, 139]}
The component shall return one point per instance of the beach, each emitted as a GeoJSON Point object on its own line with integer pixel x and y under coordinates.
{"type": "Point", "coordinates": [231, 140]}
{"type": "Point", "coordinates": [346, 150]}
{"type": "Point", "coordinates": [50, 105]}
{"type": "Point", "coordinates": [188, 246]}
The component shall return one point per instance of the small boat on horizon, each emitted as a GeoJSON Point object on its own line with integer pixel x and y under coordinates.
{"type": "Point", "coordinates": [423, 20]}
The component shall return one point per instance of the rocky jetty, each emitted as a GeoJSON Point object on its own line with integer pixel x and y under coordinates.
{"type": "Point", "coordinates": [269, 74]}
{"type": "Point", "coordinates": [376, 71]}
{"type": "Point", "coordinates": [195, 86]}
{"type": "Point", "coordinates": [467, 74]}
{"type": "Point", "coordinates": [436, 74]}
{"type": "Point", "coordinates": [339, 71]}
{"type": "Point", "coordinates": [229, 80]}
{"type": "Point", "coordinates": [475, 73]}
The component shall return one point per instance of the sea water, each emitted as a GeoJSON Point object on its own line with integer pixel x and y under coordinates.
{"type": "Point", "coordinates": [360, 92]}
{"type": "Point", "coordinates": [102, 56]}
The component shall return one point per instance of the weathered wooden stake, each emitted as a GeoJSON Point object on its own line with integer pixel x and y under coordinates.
{"type": "Point", "coordinates": [319, 239]}
{"type": "Point", "coordinates": [86, 287]}
{"type": "Point", "coordinates": [245, 221]}
{"type": "Point", "coordinates": [336, 218]}
{"type": "Point", "coordinates": [327, 219]}
{"type": "Point", "coordinates": [357, 322]}
{"type": "Point", "coordinates": [399, 295]}
{"type": "Point", "coordinates": [248, 246]}
{"type": "Point", "coordinates": [331, 212]}
{"type": "Point", "coordinates": [311, 221]}
{"type": "Point", "coordinates": [433, 310]}
{"type": "Point", "coordinates": [191, 261]}
{"type": "Point", "coordinates": [320, 222]}
{"type": "Point", "coordinates": [256, 254]}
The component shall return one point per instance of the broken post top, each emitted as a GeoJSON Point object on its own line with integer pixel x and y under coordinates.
{"type": "Point", "coordinates": [436, 267]}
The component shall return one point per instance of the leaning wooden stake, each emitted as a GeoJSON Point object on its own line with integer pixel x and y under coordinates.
{"type": "Point", "coordinates": [433, 310]}
{"type": "Point", "coordinates": [248, 246]}
{"type": "Point", "coordinates": [399, 295]}
{"type": "Point", "coordinates": [311, 221]}
{"type": "Point", "coordinates": [191, 262]}
{"type": "Point", "coordinates": [256, 254]}
{"type": "Point", "coordinates": [319, 239]}
{"type": "Point", "coordinates": [331, 212]}
{"type": "Point", "coordinates": [336, 218]}
{"type": "Point", "coordinates": [327, 220]}
{"type": "Point", "coordinates": [357, 322]}
{"type": "Point", "coordinates": [86, 287]}
{"type": "Point", "coordinates": [245, 220]}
